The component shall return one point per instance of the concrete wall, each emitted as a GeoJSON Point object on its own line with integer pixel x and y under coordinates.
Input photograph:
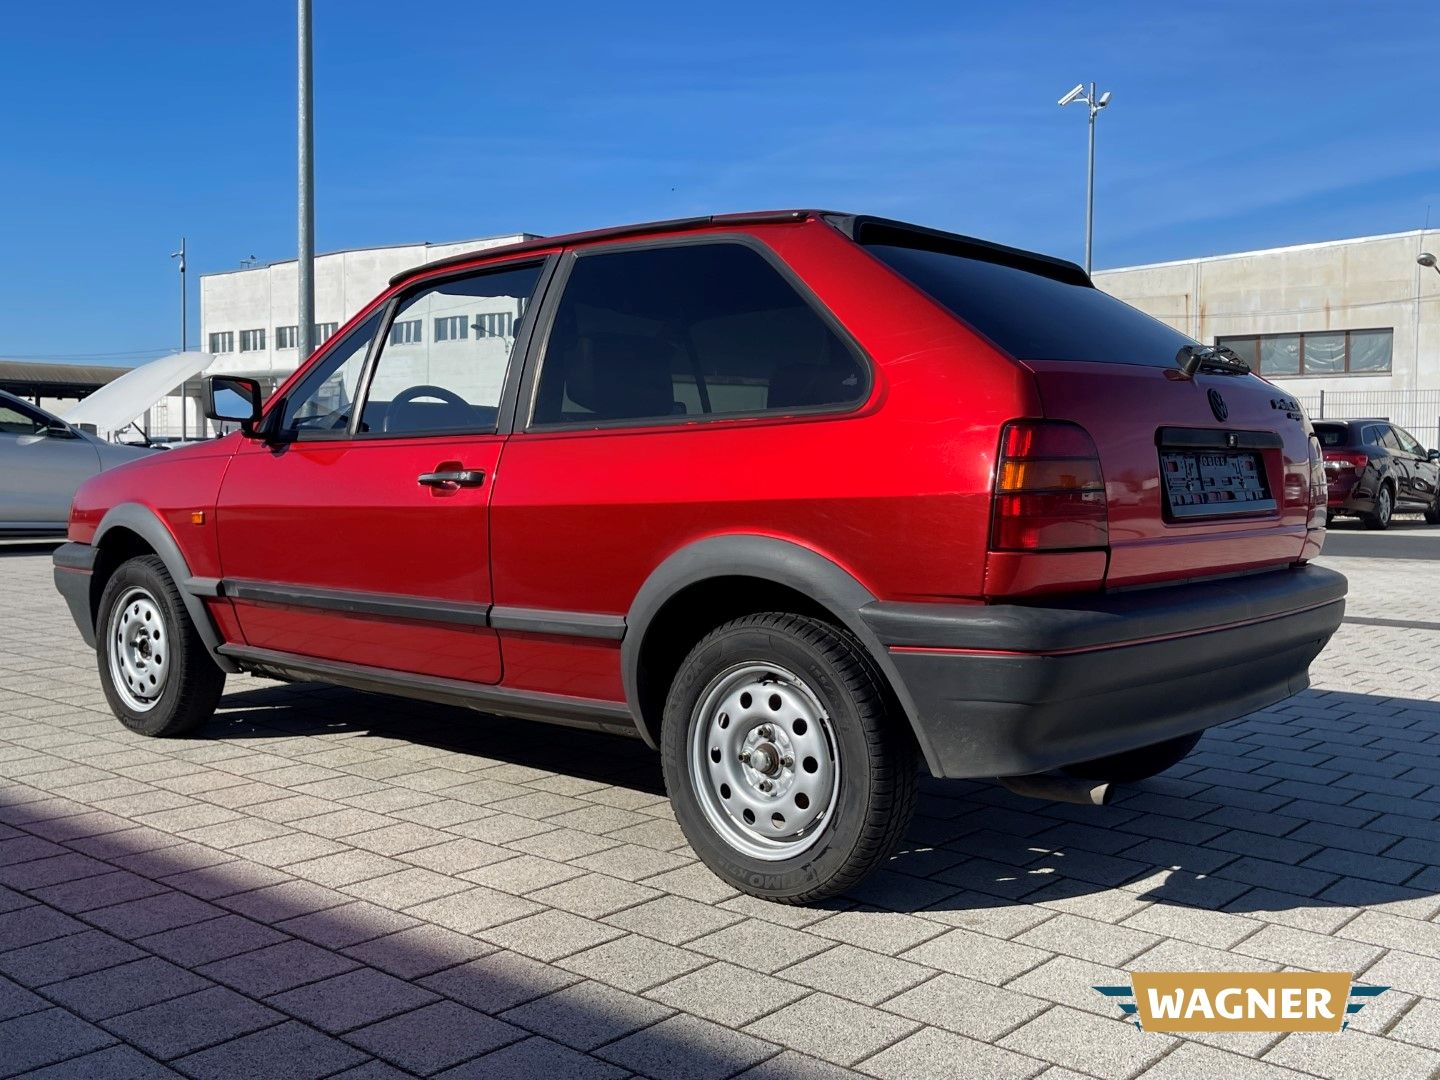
{"type": "Point", "coordinates": [1364, 284]}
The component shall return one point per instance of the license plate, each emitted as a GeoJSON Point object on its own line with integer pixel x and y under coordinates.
{"type": "Point", "coordinates": [1206, 483]}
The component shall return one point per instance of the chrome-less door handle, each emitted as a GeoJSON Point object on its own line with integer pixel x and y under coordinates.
{"type": "Point", "coordinates": [458, 477]}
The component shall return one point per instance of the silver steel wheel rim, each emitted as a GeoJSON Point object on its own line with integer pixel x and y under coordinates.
{"type": "Point", "coordinates": [139, 649]}
{"type": "Point", "coordinates": [764, 761]}
{"type": "Point", "coordinates": [1385, 504]}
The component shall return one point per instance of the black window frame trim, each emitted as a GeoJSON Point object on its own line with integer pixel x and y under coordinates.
{"type": "Point", "coordinates": [545, 322]}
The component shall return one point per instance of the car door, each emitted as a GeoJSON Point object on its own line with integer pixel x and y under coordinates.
{"type": "Point", "coordinates": [359, 531]}
{"type": "Point", "coordinates": [1424, 473]}
{"type": "Point", "coordinates": [41, 467]}
{"type": "Point", "coordinates": [1399, 462]}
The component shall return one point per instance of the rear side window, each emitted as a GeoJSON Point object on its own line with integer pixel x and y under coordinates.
{"type": "Point", "coordinates": [1033, 316]}
{"type": "Point", "coordinates": [1332, 434]}
{"type": "Point", "coordinates": [689, 332]}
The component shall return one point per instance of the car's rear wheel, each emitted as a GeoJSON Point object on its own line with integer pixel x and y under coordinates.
{"type": "Point", "coordinates": [154, 669]}
{"type": "Point", "coordinates": [1432, 512]}
{"type": "Point", "coordinates": [788, 775]}
{"type": "Point", "coordinates": [1135, 765]}
{"type": "Point", "coordinates": [1384, 510]}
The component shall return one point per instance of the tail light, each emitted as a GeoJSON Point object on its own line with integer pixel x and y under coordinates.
{"type": "Point", "coordinates": [1346, 459]}
{"type": "Point", "coordinates": [1049, 493]}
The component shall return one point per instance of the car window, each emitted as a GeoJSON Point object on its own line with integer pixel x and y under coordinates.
{"type": "Point", "coordinates": [1387, 437]}
{"type": "Point", "coordinates": [1371, 435]}
{"type": "Point", "coordinates": [1332, 434]}
{"type": "Point", "coordinates": [14, 421]}
{"type": "Point", "coordinates": [1408, 442]}
{"type": "Point", "coordinates": [689, 332]}
{"type": "Point", "coordinates": [1032, 315]}
{"type": "Point", "coordinates": [443, 361]}
{"type": "Point", "coordinates": [321, 406]}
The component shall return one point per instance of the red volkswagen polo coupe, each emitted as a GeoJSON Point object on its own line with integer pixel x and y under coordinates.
{"type": "Point", "coordinates": [799, 499]}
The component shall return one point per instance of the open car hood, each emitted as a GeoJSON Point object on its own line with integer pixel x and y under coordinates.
{"type": "Point", "coordinates": [119, 402]}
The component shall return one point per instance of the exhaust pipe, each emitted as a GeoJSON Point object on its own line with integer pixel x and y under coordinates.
{"type": "Point", "coordinates": [1057, 787]}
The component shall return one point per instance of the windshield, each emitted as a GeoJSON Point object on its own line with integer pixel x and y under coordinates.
{"type": "Point", "coordinates": [1033, 316]}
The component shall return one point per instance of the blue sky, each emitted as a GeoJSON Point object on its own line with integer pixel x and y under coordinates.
{"type": "Point", "coordinates": [1233, 126]}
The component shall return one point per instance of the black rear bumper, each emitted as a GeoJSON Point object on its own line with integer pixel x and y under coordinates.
{"type": "Point", "coordinates": [1005, 690]}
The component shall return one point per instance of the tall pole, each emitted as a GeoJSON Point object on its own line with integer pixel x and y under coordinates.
{"type": "Point", "coordinates": [1090, 185]}
{"type": "Point", "coordinates": [305, 269]}
{"type": "Point", "coordinates": [184, 336]}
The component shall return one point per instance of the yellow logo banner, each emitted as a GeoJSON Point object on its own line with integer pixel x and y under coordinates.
{"type": "Point", "coordinates": [1240, 1000]}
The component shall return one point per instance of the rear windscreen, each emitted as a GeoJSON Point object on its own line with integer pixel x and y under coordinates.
{"type": "Point", "coordinates": [1032, 316]}
{"type": "Point", "coordinates": [1332, 434]}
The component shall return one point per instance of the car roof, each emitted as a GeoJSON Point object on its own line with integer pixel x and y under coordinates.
{"type": "Point", "coordinates": [855, 226]}
{"type": "Point", "coordinates": [1353, 420]}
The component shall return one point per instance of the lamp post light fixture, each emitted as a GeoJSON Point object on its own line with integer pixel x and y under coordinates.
{"type": "Point", "coordinates": [1426, 259]}
{"type": "Point", "coordinates": [1080, 94]}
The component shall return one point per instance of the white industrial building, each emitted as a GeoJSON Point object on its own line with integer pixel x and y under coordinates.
{"type": "Point", "coordinates": [248, 316]}
{"type": "Point", "coordinates": [1351, 327]}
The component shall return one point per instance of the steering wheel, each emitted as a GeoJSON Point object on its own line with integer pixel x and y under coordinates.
{"type": "Point", "coordinates": [412, 393]}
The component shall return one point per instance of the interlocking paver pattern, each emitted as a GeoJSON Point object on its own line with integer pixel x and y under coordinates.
{"type": "Point", "coordinates": [323, 883]}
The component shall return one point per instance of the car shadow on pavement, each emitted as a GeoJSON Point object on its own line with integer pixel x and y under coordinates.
{"type": "Point", "coordinates": [1327, 801]}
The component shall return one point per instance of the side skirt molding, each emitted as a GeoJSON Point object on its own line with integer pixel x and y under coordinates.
{"type": "Point", "coordinates": [610, 716]}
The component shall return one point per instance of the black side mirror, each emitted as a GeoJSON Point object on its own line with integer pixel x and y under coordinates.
{"type": "Point", "coordinates": [235, 399]}
{"type": "Point", "coordinates": [1432, 455]}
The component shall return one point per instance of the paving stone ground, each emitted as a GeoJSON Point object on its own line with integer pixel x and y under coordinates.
{"type": "Point", "coordinates": [329, 884]}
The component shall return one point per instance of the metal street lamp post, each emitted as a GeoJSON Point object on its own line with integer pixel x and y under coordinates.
{"type": "Point", "coordinates": [184, 334]}
{"type": "Point", "coordinates": [1095, 105]}
{"type": "Point", "coordinates": [305, 269]}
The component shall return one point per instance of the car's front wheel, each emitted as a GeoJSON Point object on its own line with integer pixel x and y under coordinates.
{"type": "Point", "coordinates": [154, 669]}
{"type": "Point", "coordinates": [1432, 512]}
{"type": "Point", "coordinates": [788, 775]}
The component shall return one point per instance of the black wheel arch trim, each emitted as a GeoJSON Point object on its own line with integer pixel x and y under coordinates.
{"type": "Point", "coordinates": [146, 524]}
{"type": "Point", "coordinates": [768, 559]}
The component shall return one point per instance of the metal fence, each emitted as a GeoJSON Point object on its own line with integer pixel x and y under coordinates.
{"type": "Point", "coordinates": [1417, 411]}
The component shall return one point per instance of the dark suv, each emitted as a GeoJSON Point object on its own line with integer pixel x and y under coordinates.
{"type": "Point", "coordinates": [1375, 468]}
{"type": "Point", "coordinates": [794, 498]}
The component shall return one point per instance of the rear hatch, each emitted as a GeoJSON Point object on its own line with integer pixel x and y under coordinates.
{"type": "Point", "coordinates": [1203, 475]}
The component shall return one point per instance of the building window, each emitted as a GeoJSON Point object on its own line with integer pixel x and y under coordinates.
{"type": "Point", "coordinates": [222, 342]}
{"type": "Point", "coordinates": [405, 333]}
{"type": "Point", "coordinates": [287, 337]}
{"type": "Point", "coordinates": [324, 331]}
{"type": "Point", "coordinates": [451, 328]}
{"type": "Point", "coordinates": [494, 324]}
{"type": "Point", "coordinates": [1323, 352]}
{"type": "Point", "coordinates": [252, 340]}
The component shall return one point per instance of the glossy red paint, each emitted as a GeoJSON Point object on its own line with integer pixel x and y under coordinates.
{"type": "Point", "coordinates": [1122, 406]}
{"type": "Point", "coordinates": [349, 514]}
{"type": "Point", "coordinates": [897, 492]}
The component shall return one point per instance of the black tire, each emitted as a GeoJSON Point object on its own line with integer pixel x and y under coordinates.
{"type": "Point", "coordinates": [1432, 512]}
{"type": "Point", "coordinates": [192, 683]}
{"type": "Point", "coordinates": [874, 766]}
{"type": "Point", "coordinates": [1135, 765]}
{"type": "Point", "coordinates": [1379, 518]}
